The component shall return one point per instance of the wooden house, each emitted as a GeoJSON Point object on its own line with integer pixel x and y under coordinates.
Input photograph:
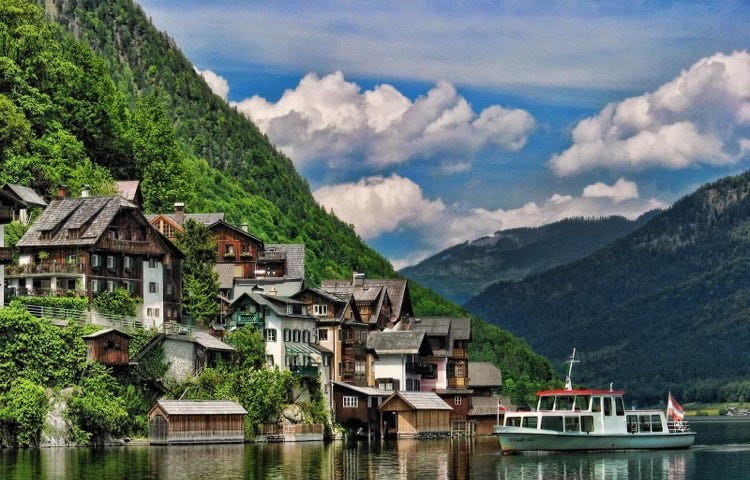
{"type": "Point", "coordinates": [196, 421]}
{"type": "Point", "coordinates": [109, 346]}
{"type": "Point", "coordinates": [381, 302]}
{"type": "Point", "coordinates": [90, 245]}
{"type": "Point", "coordinates": [415, 415]}
{"type": "Point", "coordinates": [485, 379]}
{"type": "Point", "coordinates": [341, 331]}
{"type": "Point", "coordinates": [357, 408]}
{"type": "Point", "coordinates": [396, 362]}
{"type": "Point", "coordinates": [486, 412]}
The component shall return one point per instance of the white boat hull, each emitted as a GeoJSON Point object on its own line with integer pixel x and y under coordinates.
{"type": "Point", "coordinates": [520, 439]}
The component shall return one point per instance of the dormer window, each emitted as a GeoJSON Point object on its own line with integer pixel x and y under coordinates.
{"type": "Point", "coordinates": [73, 233]}
{"type": "Point", "coordinates": [46, 235]}
{"type": "Point", "coordinates": [320, 310]}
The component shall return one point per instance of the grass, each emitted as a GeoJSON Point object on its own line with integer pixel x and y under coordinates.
{"type": "Point", "coordinates": [710, 409]}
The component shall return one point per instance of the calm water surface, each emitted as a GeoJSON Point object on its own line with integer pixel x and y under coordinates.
{"type": "Point", "coordinates": [722, 451]}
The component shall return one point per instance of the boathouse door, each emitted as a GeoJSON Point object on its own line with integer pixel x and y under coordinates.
{"type": "Point", "coordinates": [158, 429]}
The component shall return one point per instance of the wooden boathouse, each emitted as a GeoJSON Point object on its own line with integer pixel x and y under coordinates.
{"type": "Point", "coordinates": [196, 421]}
{"type": "Point", "coordinates": [109, 346]}
{"type": "Point", "coordinates": [416, 415]}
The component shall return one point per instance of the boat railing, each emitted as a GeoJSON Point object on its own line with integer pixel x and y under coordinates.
{"type": "Point", "coordinates": [678, 426]}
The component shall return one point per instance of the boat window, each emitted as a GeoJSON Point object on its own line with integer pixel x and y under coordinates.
{"type": "Point", "coordinates": [619, 407]}
{"type": "Point", "coordinates": [582, 402]}
{"type": "Point", "coordinates": [597, 404]}
{"type": "Point", "coordinates": [512, 421]}
{"type": "Point", "coordinates": [632, 421]}
{"type": "Point", "coordinates": [587, 423]}
{"type": "Point", "coordinates": [656, 423]}
{"type": "Point", "coordinates": [552, 423]}
{"type": "Point", "coordinates": [564, 402]}
{"type": "Point", "coordinates": [644, 424]}
{"type": "Point", "coordinates": [530, 422]}
{"type": "Point", "coordinates": [572, 424]}
{"type": "Point", "coordinates": [546, 403]}
{"type": "Point", "coordinates": [608, 406]}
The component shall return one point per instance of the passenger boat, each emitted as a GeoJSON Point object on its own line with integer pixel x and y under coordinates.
{"type": "Point", "coordinates": [583, 419]}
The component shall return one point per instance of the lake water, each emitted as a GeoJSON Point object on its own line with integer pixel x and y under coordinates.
{"type": "Point", "coordinates": [722, 451]}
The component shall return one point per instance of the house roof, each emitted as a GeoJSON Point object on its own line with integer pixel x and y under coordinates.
{"type": "Point", "coordinates": [487, 405]}
{"type": "Point", "coordinates": [396, 289]}
{"type": "Point", "coordinates": [419, 400]}
{"type": "Point", "coordinates": [106, 331]}
{"type": "Point", "coordinates": [275, 303]}
{"type": "Point", "coordinates": [484, 374]}
{"type": "Point", "coordinates": [295, 258]}
{"type": "Point", "coordinates": [204, 340]}
{"type": "Point", "coordinates": [200, 407]}
{"type": "Point", "coordinates": [207, 219]}
{"type": "Point", "coordinates": [92, 214]}
{"type": "Point", "coordinates": [398, 342]}
{"type": "Point", "coordinates": [225, 272]}
{"type": "Point", "coordinates": [25, 195]}
{"type": "Point", "coordinates": [369, 391]}
{"type": "Point", "coordinates": [128, 189]}
{"type": "Point", "coordinates": [431, 325]}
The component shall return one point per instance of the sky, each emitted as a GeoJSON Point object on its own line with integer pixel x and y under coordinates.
{"type": "Point", "coordinates": [427, 124]}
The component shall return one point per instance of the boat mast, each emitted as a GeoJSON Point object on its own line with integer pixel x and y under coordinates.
{"type": "Point", "coordinates": [570, 361]}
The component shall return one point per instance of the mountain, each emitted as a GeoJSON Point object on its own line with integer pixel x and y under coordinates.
{"type": "Point", "coordinates": [462, 271]}
{"type": "Point", "coordinates": [665, 307]}
{"type": "Point", "coordinates": [91, 92]}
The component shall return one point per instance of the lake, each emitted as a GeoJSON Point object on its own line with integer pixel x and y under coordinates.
{"type": "Point", "coordinates": [722, 451]}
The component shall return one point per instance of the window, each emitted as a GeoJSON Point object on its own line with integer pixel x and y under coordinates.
{"type": "Point", "coordinates": [71, 259]}
{"type": "Point", "coordinates": [359, 366]}
{"type": "Point", "coordinates": [608, 406]}
{"type": "Point", "coordinates": [46, 235]}
{"type": "Point", "coordinates": [287, 335]}
{"type": "Point", "coordinates": [289, 309]}
{"type": "Point", "coordinates": [587, 423]}
{"type": "Point", "coordinates": [350, 401]}
{"type": "Point", "coordinates": [169, 289]}
{"type": "Point", "coordinates": [152, 262]}
{"type": "Point", "coordinates": [529, 422]}
{"type": "Point", "coordinates": [296, 335]}
{"type": "Point", "coordinates": [457, 400]}
{"type": "Point", "coordinates": [94, 285]}
{"type": "Point", "coordinates": [269, 360]}
{"type": "Point", "coordinates": [270, 334]}
{"type": "Point", "coordinates": [320, 310]}
{"type": "Point", "coordinates": [110, 261]}
{"type": "Point", "coordinates": [110, 285]}
{"type": "Point", "coordinates": [619, 407]}
{"type": "Point", "coordinates": [153, 287]}
{"type": "Point", "coordinates": [552, 423]}
{"type": "Point", "coordinates": [306, 336]}
{"type": "Point", "coordinates": [323, 334]}
{"type": "Point", "coordinates": [130, 286]}
{"type": "Point", "coordinates": [572, 424]}
{"type": "Point", "coordinates": [167, 229]}
{"type": "Point", "coordinates": [129, 263]}
{"type": "Point", "coordinates": [96, 260]}
{"type": "Point", "coordinates": [582, 402]}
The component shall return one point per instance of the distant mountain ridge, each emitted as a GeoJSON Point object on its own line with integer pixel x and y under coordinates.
{"type": "Point", "coordinates": [665, 307]}
{"type": "Point", "coordinates": [465, 270]}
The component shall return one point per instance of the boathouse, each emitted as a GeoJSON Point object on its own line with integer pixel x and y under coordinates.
{"type": "Point", "coordinates": [109, 346]}
{"type": "Point", "coordinates": [196, 421]}
{"type": "Point", "coordinates": [416, 415]}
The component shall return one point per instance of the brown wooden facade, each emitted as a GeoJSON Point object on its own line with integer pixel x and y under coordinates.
{"type": "Point", "coordinates": [406, 420]}
{"type": "Point", "coordinates": [181, 422]}
{"type": "Point", "coordinates": [109, 346]}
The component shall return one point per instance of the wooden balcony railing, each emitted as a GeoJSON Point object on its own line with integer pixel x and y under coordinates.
{"type": "Point", "coordinates": [44, 268]}
{"type": "Point", "coordinates": [459, 353]}
{"type": "Point", "coordinates": [457, 382]}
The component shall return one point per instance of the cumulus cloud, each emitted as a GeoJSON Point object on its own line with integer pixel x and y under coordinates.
{"type": "Point", "coordinates": [700, 117]}
{"type": "Point", "coordinates": [381, 205]}
{"type": "Point", "coordinates": [328, 118]}
{"type": "Point", "coordinates": [216, 83]}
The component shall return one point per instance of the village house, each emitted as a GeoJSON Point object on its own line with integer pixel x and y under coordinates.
{"type": "Point", "coordinates": [188, 354]}
{"type": "Point", "coordinates": [415, 415]}
{"type": "Point", "coordinates": [485, 380]}
{"type": "Point", "coordinates": [89, 245]}
{"type": "Point", "coordinates": [15, 202]}
{"type": "Point", "coordinates": [381, 302]}
{"type": "Point", "coordinates": [244, 263]}
{"type": "Point", "coordinates": [288, 329]}
{"type": "Point", "coordinates": [357, 408]}
{"type": "Point", "coordinates": [108, 346]}
{"type": "Point", "coordinates": [396, 363]}
{"type": "Point", "coordinates": [341, 331]}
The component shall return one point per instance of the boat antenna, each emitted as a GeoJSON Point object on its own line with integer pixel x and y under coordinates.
{"type": "Point", "coordinates": [570, 361]}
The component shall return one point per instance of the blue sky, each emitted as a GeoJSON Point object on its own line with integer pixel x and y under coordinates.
{"type": "Point", "coordinates": [426, 124]}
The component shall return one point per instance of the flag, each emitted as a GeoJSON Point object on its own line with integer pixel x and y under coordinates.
{"type": "Point", "coordinates": [674, 409]}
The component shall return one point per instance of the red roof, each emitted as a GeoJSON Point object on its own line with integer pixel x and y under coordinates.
{"type": "Point", "coordinates": [562, 391]}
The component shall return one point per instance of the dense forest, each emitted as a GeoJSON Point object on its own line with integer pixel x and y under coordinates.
{"type": "Point", "coordinates": [664, 308]}
{"type": "Point", "coordinates": [91, 93]}
{"type": "Point", "coordinates": [463, 271]}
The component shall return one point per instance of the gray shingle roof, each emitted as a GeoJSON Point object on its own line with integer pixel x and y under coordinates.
{"type": "Point", "coordinates": [369, 391]}
{"type": "Point", "coordinates": [295, 257]}
{"type": "Point", "coordinates": [397, 342]}
{"type": "Point", "coordinates": [101, 333]}
{"type": "Point", "coordinates": [422, 400]}
{"type": "Point", "coordinates": [432, 325]}
{"type": "Point", "coordinates": [25, 194]}
{"type": "Point", "coordinates": [484, 374]}
{"type": "Point", "coordinates": [212, 343]}
{"type": "Point", "coordinates": [225, 271]}
{"type": "Point", "coordinates": [201, 407]}
{"type": "Point", "coordinates": [487, 405]}
{"type": "Point", "coordinates": [93, 214]}
{"type": "Point", "coordinates": [461, 328]}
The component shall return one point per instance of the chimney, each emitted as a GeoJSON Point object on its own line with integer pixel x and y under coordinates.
{"type": "Point", "coordinates": [245, 227]}
{"type": "Point", "coordinates": [62, 191]}
{"type": "Point", "coordinates": [85, 192]}
{"type": "Point", "coordinates": [358, 279]}
{"type": "Point", "coordinates": [179, 212]}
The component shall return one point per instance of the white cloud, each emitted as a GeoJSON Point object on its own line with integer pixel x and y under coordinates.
{"type": "Point", "coordinates": [216, 83]}
{"type": "Point", "coordinates": [328, 118]}
{"type": "Point", "coordinates": [381, 205]}
{"type": "Point", "coordinates": [700, 117]}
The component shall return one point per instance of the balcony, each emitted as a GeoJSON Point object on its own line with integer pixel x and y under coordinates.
{"type": "Point", "coordinates": [127, 246]}
{"type": "Point", "coordinates": [269, 256]}
{"type": "Point", "coordinates": [419, 368]}
{"type": "Point", "coordinates": [304, 371]}
{"type": "Point", "coordinates": [6, 255]}
{"type": "Point", "coordinates": [44, 269]}
{"type": "Point", "coordinates": [459, 353]}
{"type": "Point", "coordinates": [6, 214]}
{"type": "Point", "coordinates": [457, 382]}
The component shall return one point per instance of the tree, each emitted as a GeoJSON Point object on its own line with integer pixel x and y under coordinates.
{"type": "Point", "coordinates": [250, 346]}
{"type": "Point", "coordinates": [23, 410]}
{"type": "Point", "coordinates": [95, 408]}
{"type": "Point", "coordinates": [200, 286]}
{"type": "Point", "coordinates": [118, 302]}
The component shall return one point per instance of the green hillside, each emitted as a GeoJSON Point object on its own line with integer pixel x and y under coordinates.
{"type": "Point", "coordinates": [122, 102]}
{"type": "Point", "coordinates": [462, 271]}
{"type": "Point", "coordinates": [664, 308]}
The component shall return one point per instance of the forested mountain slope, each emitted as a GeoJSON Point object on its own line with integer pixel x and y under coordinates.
{"type": "Point", "coordinates": [665, 307]}
{"type": "Point", "coordinates": [465, 270]}
{"type": "Point", "coordinates": [124, 103]}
